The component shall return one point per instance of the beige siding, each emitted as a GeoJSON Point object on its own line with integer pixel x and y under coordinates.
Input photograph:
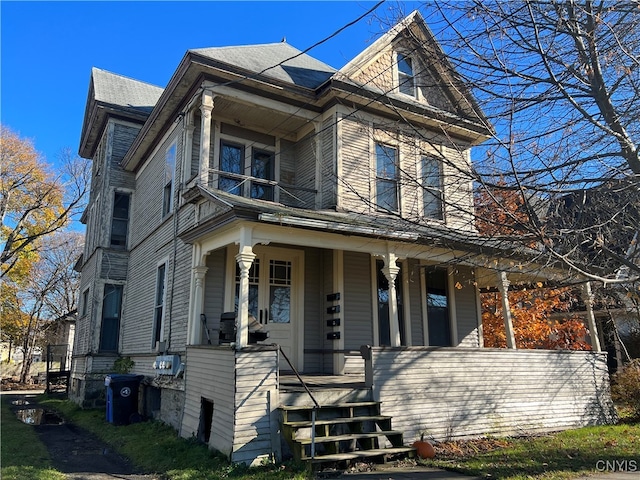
{"type": "Point", "coordinates": [210, 374]}
{"type": "Point", "coordinates": [327, 168]}
{"type": "Point", "coordinates": [256, 406]}
{"type": "Point", "coordinates": [452, 392]}
{"type": "Point", "coordinates": [357, 317]}
{"type": "Point", "coordinates": [355, 176]}
{"type": "Point", "coordinates": [415, 302]}
{"type": "Point", "coordinates": [458, 190]}
{"type": "Point", "coordinates": [466, 313]}
{"type": "Point", "coordinates": [214, 294]}
{"type": "Point", "coordinates": [313, 303]}
{"type": "Point", "coordinates": [306, 161]}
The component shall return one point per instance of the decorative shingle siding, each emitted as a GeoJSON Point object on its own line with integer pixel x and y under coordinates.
{"type": "Point", "coordinates": [457, 392]}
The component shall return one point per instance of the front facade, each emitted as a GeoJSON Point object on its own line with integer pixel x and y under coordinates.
{"type": "Point", "coordinates": [264, 191]}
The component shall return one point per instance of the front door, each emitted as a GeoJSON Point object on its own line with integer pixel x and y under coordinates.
{"type": "Point", "coordinates": [276, 299]}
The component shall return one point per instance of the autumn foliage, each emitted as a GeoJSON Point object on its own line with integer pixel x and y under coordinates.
{"type": "Point", "coordinates": [533, 311]}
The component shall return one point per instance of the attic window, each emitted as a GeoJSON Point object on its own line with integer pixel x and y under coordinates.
{"type": "Point", "coordinates": [405, 75]}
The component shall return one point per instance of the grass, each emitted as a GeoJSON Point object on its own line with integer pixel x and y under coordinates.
{"type": "Point", "coordinates": [562, 455]}
{"type": "Point", "coordinates": [22, 455]}
{"type": "Point", "coordinates": [155, 448]}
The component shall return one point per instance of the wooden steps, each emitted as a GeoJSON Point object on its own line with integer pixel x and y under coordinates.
{"type": "Point", "coordinates": [344, 432]}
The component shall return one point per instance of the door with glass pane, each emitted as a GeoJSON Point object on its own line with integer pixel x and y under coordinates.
{"type": "Point", "coordinates": [275, 299]}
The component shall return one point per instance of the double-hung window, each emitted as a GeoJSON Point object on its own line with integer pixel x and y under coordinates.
{"type": "Point", "coordinates": [169, 176]}
{"type": "Point", "coordinates": [110, 326]}
{"type": "Point", "coordinates": [120, 220]}
{"type": "Point", "coordinates": [234, 162]}
{"type": "Point", "coordinates": [386, 177]}
{"type": "Point", "coordinates": [158, 314]}
{"type": "Point", "coordinates": [406, 82]}
{"type": "Point", "coordinates": [432, 196]}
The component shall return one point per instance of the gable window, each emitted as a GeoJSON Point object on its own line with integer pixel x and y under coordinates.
{"type": "Point", "coordinates": [110, 326]}
{"type": "Point", "coordinates": [158, 314]}
{"type": "Point", "coordinates": [120, 220]}
{"type": "Point", "coordinates": [169, 175]}
{"type": "Point", "coordinates": [386, 177]}
{"type": "Point", "coordinates": [406, 82]}
{"type": "Point", "coordinates": [438, 307]}
{"type": "Point", "coordinates": [433, 194]}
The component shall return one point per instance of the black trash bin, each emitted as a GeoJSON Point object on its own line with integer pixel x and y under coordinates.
{"type": "Point", "coordinates": [122, 397]}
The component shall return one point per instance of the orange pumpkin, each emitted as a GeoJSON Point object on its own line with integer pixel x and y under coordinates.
{"type": "Point", "coordinates": [424, 449]}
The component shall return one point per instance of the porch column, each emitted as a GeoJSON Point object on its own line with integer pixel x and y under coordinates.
{"type": "Point", "coordinates": [390, 270]}
{"type": "Point", "coordinates": [205, 136]}
{"type": "Point", "coordinates": [503, 286]}
{"type": "Point", "coordinates": [199, 273]}
{"type": "Point", "coordinates": [587, 298]}
{"type": "Point", "coordinates": [245, 260]}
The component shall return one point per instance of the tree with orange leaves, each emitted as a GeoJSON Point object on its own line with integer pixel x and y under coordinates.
{"type": "Point", "coordinates": [504, 211]}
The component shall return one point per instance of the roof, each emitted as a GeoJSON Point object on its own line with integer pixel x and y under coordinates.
{"type": "Point", "coordinates": [119, 91]}
{"type": "Point", "coordinates": [279, 61]}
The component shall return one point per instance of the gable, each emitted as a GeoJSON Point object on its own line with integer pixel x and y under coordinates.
{"type": "Point", "coordinates": [434, 82]}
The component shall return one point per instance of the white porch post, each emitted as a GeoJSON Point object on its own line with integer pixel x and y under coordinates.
{"type": "Point", "coordinates": [587, 298]}
{"type": "Point", "coordinates": [245, 259]}
{"type": "Point", "coordinates": [503, 286]}
{"type": "Point", "coordinates": [205, 136]}
{"type": "Point", "coordinates": [390, 271]}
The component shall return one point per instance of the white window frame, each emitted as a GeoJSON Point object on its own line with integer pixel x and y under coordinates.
{"type": "Point", "coordinates": [395, 180]}
{"type": "Point", "coordinates": [403, 77]}
{"type": "Point", "coordinates": [431, 190]}
{"type": "Point", "coordinates": [450, 303]}
{"type": "Point", "coordinates": [159, 323]}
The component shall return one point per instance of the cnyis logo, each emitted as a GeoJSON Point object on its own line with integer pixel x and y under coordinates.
{"type": "Point", "coordinates": [125, 392]}
{"type": "Point", "coordinates": [617, 466]}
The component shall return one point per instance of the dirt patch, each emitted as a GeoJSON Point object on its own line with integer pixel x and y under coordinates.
{"type": "Point", "coordinates": [77, 452]}
{"type": "Point", "coordinates": [468, 448]}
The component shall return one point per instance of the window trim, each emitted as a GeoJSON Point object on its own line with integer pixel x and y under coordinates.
{"type": "Point", "coordinates": [435, 192]}
{"type": "Point", "coordinates": [118, 321]}
{"type": "Point", "coordinates": [424, 267]}
{"type": "Point", "coordinates": [395, 180]}
{"type": "Point", "coordinates": [85, 302]}
{"type": "Point", "coordinates": [168, 188]}
{"type": "Point", "coordinates": [157, 332]}
{"type": "Point", "coordinates": [403, 78]}
{"type": "Point", "coordinates": [114, 219]}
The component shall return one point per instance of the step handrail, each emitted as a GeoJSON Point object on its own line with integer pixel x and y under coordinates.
{"type": "Point", "coordinates": [315, 402]}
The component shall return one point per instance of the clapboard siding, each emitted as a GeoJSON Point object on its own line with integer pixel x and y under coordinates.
{"type": "Point", "coordinates": [355, 176]}
{"type": "Point", "coordinates": [210, 374]}
{"type": "Point", "coordinates": [358, 315]}
{"type": "Point", "coordinates": [305, 168]}
{"type": "Point", "coordinates": [328, 169]}
{"type": "Point", "coordinates": [328, 287]}
{"type": "Point", "coordinates": [85, 323]}
{"type": "Point", "coordinates": [114, 265]}
{"type": "Point", "coordinates": [214, 294]}
{"type": "Point", "coordinates": [415, 302]}
{"type": "Point", "coordinates": [466, 313]}
{"type": "Point", "coordinates": [179, 284]}
{"type": "Point", "coordinates": [452, 393]}
{"type": "Point", "coordinates": [458, 189]}
{"type": "Point", "coordinates": [313, 329]}
{"type": "Point", "coordinates": [287, 162]}
{"type": "Point", "coordinates": [256, 406]}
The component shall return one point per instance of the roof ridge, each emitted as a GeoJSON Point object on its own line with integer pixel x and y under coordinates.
{"type": "Point", "coordinates": [93, 69]}
{"type": "Point", "coordinates": [225, 47]}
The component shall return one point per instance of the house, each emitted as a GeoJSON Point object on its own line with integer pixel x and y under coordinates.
{"type": "Point", "coordinates": [264, 191]}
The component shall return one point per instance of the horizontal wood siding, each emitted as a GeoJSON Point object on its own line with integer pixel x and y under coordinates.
{"type": "Point", "coordinates": [305, 168]}
{"type": "Point", "coordinates": [327, 169]}
{"type": "Point", "coordinates": [179, 284]}
{"type": "Point", "coordinates": [256, 414]}
{"type": "Point", "coordinates": [210, 374]}
{"type": "Point", "coordinates": [313, 302]}
{"type": "Point", "coordinates": [214, 294]}
{"type": "Point", "coordinates": [358, 315]}
{"type": "Point", "coordinates": [453, 392]}
{"type": "Point", "coordinates": [458, 190]}
{"type": "Point", "coordinates": [355, 175]}
{"type": "Point", "coordinates": [415, 302]}
{"type": "Point", "coordinates": [328, 287]}
{"type": "Point", "coordinates": [287, 158]}
{"type": "Point", "coordinates": [114, 265]}
{"type": "Point", "coordinates": [123, 137]}
{"type": "Point", "coordinates": [466, 311]}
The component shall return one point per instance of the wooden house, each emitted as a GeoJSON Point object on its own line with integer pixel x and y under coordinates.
{"type": "Point", "coordinates": [264, 191]}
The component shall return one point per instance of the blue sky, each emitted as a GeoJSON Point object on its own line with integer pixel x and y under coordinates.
{"type": "Point", "coordinates": [48, 48]}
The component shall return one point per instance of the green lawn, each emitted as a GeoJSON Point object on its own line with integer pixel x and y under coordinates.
{"type": "Point", "coordinates": [22, 455]}
{"type": "Point", "coordinates": [562, 455]}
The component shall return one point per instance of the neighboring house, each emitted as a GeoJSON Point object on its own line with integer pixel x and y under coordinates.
{"type": "Point", "coordinates": [331, 208]}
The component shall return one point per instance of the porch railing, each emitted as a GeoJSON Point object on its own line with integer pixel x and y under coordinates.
{"type": "Point", "coordinates": [316, 405]}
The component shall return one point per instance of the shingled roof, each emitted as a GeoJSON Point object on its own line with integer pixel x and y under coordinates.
{"type": "Point", "coordinates": [279, 61]}
{"type": "Point", "coordinates": [119, 91]}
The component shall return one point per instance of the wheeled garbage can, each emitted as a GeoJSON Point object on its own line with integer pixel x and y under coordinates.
{"type": "Point", "coordinates": [122, 397]}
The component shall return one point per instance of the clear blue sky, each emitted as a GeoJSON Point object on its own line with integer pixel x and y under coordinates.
{"type": "Point", "coordinates": [48, 48]}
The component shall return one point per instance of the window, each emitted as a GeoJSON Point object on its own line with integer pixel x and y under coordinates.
{"type": "Point", "coordinates": [169, 174]}
{"type": "Point", "coordinates": [438, 308]}
{"type": "Point", "coordinates": [232, 162]}
{"type": "Point", "coordinates": [405, 75]}
{"type": "Point", "coordinates": [262, 168]}
{"type": "Point", "coordinates": [85, 303]}
{"type": "Point", "coordinates": [158, 314]}
{"type": "Point", "coordinates": [120, 220]}
{"type": "Point", "coordinates": [432, 195]}
{"type": "Point", "coordinates": [110, 326]}
{"type": "Point", "coordinates": [386, 178]}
